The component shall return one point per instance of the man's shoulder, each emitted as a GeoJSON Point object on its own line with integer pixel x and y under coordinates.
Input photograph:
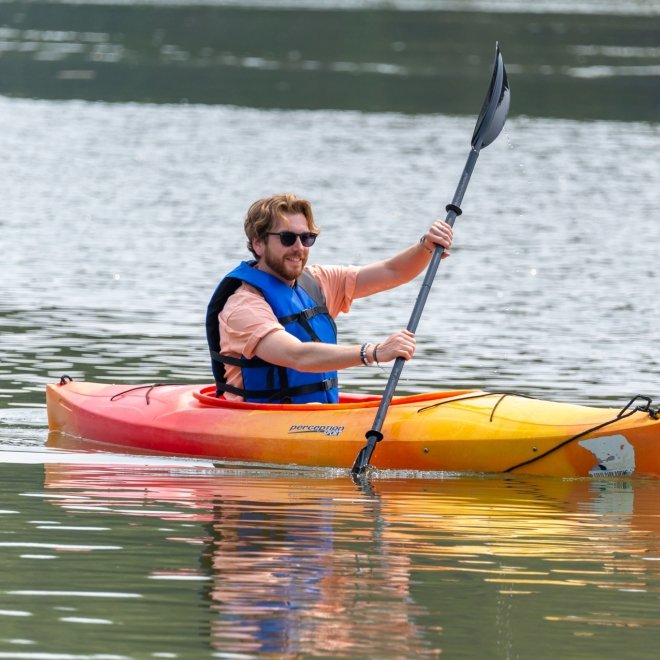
{"type": "Point", "coordinates": [245, 295]}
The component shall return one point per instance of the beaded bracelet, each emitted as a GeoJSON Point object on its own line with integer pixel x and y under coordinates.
{"type": "Point", "coordinates": [363, 354]}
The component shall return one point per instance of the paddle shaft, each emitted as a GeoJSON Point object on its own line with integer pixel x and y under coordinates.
{"type": "Point", "coordinates": [374, 435]}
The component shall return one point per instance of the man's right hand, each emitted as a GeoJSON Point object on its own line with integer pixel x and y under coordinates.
{"type": "Point", "coordinates": [400, 344]}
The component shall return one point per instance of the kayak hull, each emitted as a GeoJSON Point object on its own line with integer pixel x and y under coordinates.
{"type": "Point", "coordinates": [453, 431]}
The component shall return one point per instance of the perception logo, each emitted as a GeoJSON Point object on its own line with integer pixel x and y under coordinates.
{"type": "Point", "coordinates": [332, 431]}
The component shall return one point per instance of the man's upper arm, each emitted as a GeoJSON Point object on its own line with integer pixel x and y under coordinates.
{"type": "Point", "coordinates": [245, 321]}
{"type": "Point", "coordinates": [377, 277]}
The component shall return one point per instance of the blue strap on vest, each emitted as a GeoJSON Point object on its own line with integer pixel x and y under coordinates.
{"type": "Point", "coordinates": [301, 310]}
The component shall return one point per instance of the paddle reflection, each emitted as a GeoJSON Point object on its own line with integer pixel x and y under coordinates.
{"type": "Point", "coordinates": [313, 565]}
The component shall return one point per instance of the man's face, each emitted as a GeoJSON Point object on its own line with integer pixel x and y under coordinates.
{"type": "Point", "coordinates": [286, 263]}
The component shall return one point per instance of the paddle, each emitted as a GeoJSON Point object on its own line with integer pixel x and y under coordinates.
{"type": "Point", "coordinates": [489, 125]}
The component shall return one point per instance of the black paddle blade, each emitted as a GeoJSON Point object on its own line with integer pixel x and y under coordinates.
{"type": "Point", "coordinates": [361, 461]}
{"type": "Point", "coordinates": [496, 105]}
{"type": "Point", "coordinates": [364, 456]}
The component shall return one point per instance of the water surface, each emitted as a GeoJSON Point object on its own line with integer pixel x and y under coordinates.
{"type": "Point", "coordinates": [121, 218]}
{"type": "Point", "coordinates": [133, 139]}
{"type": "Point", "coordinates": [159, 559]}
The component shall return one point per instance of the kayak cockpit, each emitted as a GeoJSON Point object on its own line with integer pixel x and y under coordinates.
{"type": "Point", "coordinates": [347, 400]}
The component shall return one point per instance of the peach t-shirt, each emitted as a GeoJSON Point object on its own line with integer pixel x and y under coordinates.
{"type": "Point", "coordinates": [247, 318]}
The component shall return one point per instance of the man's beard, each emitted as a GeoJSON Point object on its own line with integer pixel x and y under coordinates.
{"type": "Point", "coordinates": [284, 268]}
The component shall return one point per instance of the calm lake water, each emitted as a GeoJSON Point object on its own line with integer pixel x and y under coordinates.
{"type": "Point", "coordinates": [167, 560]}
{"type": "Point", "coordinates": [122, 206]}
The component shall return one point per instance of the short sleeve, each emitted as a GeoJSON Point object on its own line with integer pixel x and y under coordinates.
{"type": "Point", "coordinates": [245, 320]}
{"type": "Point", "coordinates": [338, 284]}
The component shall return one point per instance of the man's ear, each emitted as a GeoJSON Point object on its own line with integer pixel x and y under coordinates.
{"type": "Point", "coordinates": [258, 246]}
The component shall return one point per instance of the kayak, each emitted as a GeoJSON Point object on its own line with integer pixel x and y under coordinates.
{"type": "Point", "coordinates": [465, 431]}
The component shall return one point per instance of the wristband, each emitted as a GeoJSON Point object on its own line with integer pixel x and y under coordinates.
{"type": "Point", "coordinates": [363, 354]}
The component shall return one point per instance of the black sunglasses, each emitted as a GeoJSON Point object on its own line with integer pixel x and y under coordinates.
{"type": "Point", "coordinates": [288, 238]}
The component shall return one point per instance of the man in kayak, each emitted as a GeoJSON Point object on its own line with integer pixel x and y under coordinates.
{"type": "Point", "coordinates": [270, 322]}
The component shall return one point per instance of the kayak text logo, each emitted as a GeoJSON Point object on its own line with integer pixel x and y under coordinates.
{"type": "Point", "coordinates": [333, 431]}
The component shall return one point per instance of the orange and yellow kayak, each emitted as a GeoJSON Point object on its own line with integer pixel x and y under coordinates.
{"type": "Point", "coordinates": [454, 431]}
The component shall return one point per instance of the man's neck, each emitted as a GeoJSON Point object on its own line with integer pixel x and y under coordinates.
{"type": "Point", "coordinates": [267, 270]}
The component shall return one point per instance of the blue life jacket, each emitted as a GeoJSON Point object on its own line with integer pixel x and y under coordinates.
{"type": "Point", "coordinates": [302, 311]}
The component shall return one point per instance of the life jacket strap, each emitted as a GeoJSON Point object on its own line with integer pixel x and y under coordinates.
{"type": "Point", "coordinates": [306, 314]}
{"type": "Point", "coordinates": [239, 362]}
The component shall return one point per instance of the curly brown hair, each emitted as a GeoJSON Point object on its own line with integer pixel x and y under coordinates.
{"type": "Point", "coordinates": [264, 212]}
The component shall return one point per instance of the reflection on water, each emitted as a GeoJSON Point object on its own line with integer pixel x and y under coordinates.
{"type": "Point", "coordinates": [582, 64]}
{"type": "Point", "coordinates": [251, 563]}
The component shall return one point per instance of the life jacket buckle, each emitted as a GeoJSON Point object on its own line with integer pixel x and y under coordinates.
{"type": "Point", "coordinates": [328, 384]}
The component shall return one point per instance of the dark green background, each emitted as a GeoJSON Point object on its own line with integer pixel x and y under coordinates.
{"type": "Point", "coordinates": [441, 60]}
